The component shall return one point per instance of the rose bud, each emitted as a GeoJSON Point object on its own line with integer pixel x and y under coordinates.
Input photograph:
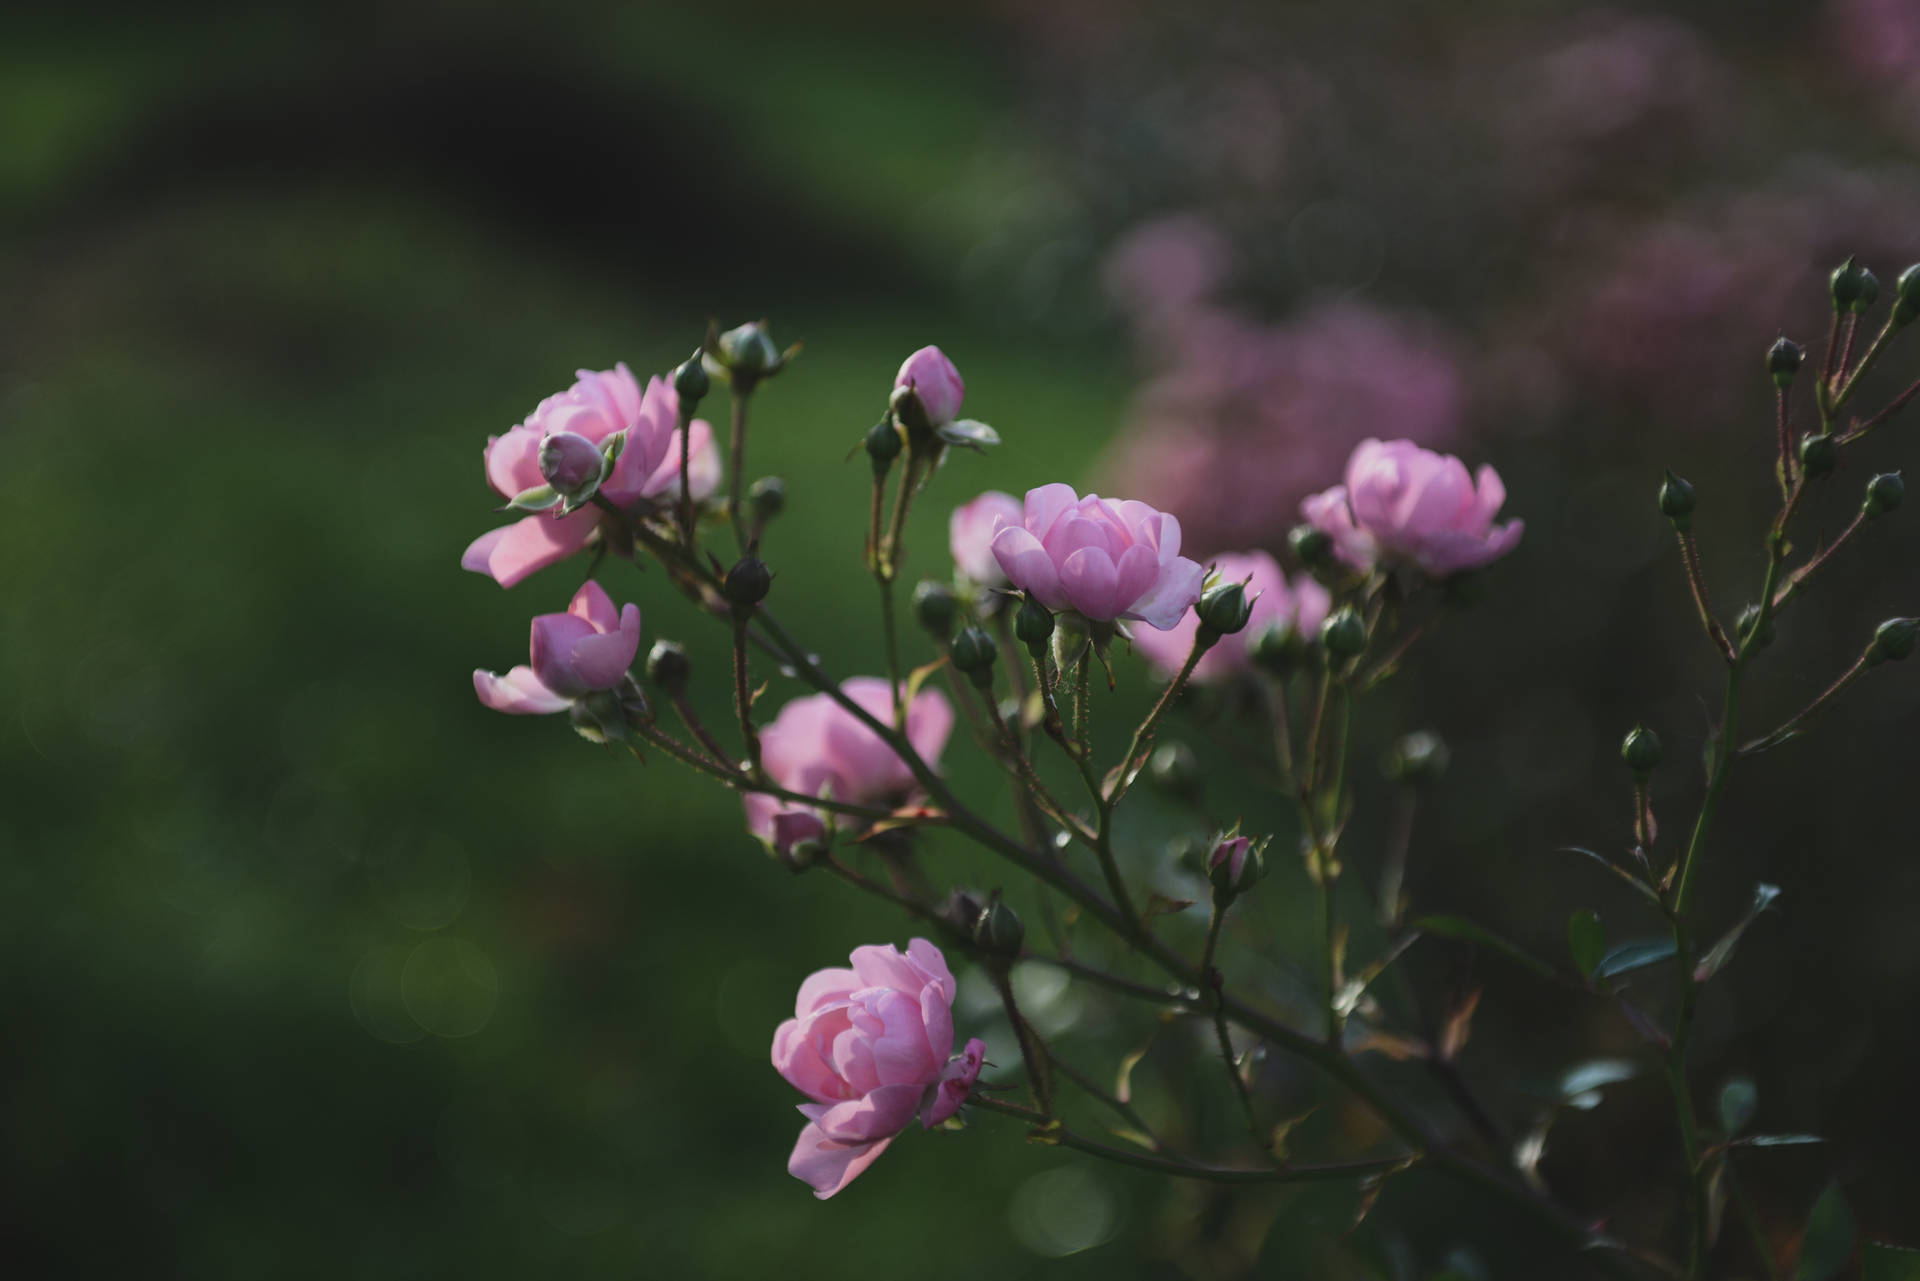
{"type": "Point", "coordinates": [1783, 361]}
{"type": "Point", "coordinates": [935, 605]}
{"type": "Point", "coordinates": [1884, 493]}
{"type": "Point", "coordinates": [1641, 751]}
{"type": "Point", "coordinates": [973, 652]}
{"type": "Point", "coordinates": [933, 384]}
{"type": "Point", "coordinates": [668, 666]}
{"type": "Point", "coordinates": [1234, 866]}
{"type": "Point", "coordinates": [1893, 640]}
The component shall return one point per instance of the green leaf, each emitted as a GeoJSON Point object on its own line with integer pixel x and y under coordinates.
{"type": "Point", "coordinates": [1889, 1262]}
{"type": "Point", "coordinates": [538, 499]}
{"type": "Point", "coordinates": [1738, 1098]}
{"type": "Point", "coordinates": [1585, 940]}
{"type": "Point", "coordinates": [969, 434]}
{"type": "Point", "coordinates": [1775, 1141]}
{"type": "Point", "coordinates": [1639, 886]}
{"type": "Point", "coordinates": [1465, 931]}
{"type": "Point", "coordinates": [1636, 955]}
{"type": "Point", "coordinates": [1828, 1243]}
{"type": "Point", "coordinates": [1720, 953]}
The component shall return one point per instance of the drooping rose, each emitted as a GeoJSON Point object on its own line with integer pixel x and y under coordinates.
{"type": "Point", "coordinates": [583, 651]}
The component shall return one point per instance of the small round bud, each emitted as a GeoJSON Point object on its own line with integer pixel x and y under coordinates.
{"type": "Point", "coordinates": [1884, 493]}
{"type": "Point", "coordinates": [1869, 291]}
{"type": "Point", "coordinates": [572, 464]}
{"type": "Point", "coordinates": [974, 653]}
{"type": "Point", "coordinates": [1844, 284]}
{"type": "Point", "coordinates": [1419, 757]}
{"type": "Point", "coordinates": [883, 444]}
{"type": "Point", "coordinates": [1311, 547]}
{"type": "Point", "coordinates": [1224, 608]}
{"type": "Point", "coordinates": [749, 351]}
{"type": "Point", "coordinates": [1640, 749]}
{"type": "Point", "coordinates": [1344, 633]}
{"type": "Point", "coordinates": [1893, 640]}
{"type": "Point", "coordinates": [668, 666]}
{"type": "Point", "coordinates": [747, 583]}
{"type": "Point", "coordinates": [1278, 648]}
{"type": "Point", "coordinates": [935, 605]}
{"type": "Point", "coordinates": [1033, 624]}
{"type": "Point", "coordinates": [1234, 866]}
{"type": "Point", "coordinates": [1783, 360]}
{"type": "Point", "coordinates": [767, 498]}
{"type": "Point", "coordinates": [691, 383]}
{"type": "Point", "coordinates": [1175, 770]}
{"type": "Point", "coordinates": [1676, 502]}
{"type": "Point", "coordinates": [1743, 625]}
{"type": "Point", "coordinates": [999, 930]}
{"type": "Point", "coordinates": [1819, 455]}
{"type": "Point", "coordinates": [1906, 304]}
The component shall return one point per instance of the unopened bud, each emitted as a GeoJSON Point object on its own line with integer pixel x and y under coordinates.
{"type": "Point", "coordinates": [668, 666]}
{"type": "Point", "coordinates": [1234, 866]}
{"type": "Point", "coordinates": [767, 498]}
{"type": "Point", "coordinates": [1033, 625]}
{"type": "Point", "coordinates": [749, 352]}
{"type": "Point", "coordinates": [962, 910]}
{"type": "Point", "coordinates": [1224, 609]}
{"type": "Point", "coordinates": [1640, 749]}
{"type": "Point", "coordinates": [1311, 547]}
{"type": "Point", "coordinates": [1278, 648]}
{"type": "Point", "coordinates": [798, 839]}
{"type": "Point", "coordinates": [1676, 502]}
{"type": "Point", "coordinates": [974, 652]}
{"type": "Point", "coordinates": [999, 930]}
{"type": "Point", "coordinates": [935, 605]}
{"type": "Point", "coordinates": [691, 383]}
{"type": "Point", "coordinates": [1417, 758]}
{"type": "Point", "coordinates": [572, 464]}
{"type": "Point", "coordinates": [1884, 493]}
{"type": "Point", "coordinates": [883, 445]}
{"type": "Point", "coordinates": [1744, 624]}
{"type": "Point", "coordinates": [1344, 633]}
{"type": "Point", "coordinates": [1844, 284]}
{"type": "Point", "coordinates": [1906, 303]}
{"type": "Point", "coordinates": [1893, 640]}
{"type": "Point", "coordinates": [747, 584]}
{"type": "Point", "coordinates": [1783, 360]}
{"type": "Point", "coordinates": [1869, 291]}
{"type": "Point", "coordinates": [1175, 770]}
{"type": "Point", "coordinates": [1819, 455]}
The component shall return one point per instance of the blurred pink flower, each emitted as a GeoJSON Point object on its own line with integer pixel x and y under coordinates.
{"type": "Point", "coordinates": [1107, 560]}
{"type": "Point", "coordinates": [935, 382]}
{"type": "Point", "coordinates": [597, 407]}
{"type": "Point", "coordinates": [586, 649]}
{"type": "Point", "coordinates": [816, 747]}
{"type": "Point", "coordinates": [970, 535]}
{"type": "Point", "coordinates": [872, 1046]}
{"type": "Point", "coordinates": [1301, 604]}
{"type": "Point", "coordinates": [1406, 505]}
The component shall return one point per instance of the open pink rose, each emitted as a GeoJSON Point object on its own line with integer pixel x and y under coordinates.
{"type": "Point", "coordinates": [872, 1046]}
{"type": "Point", "coordinates": [587, 649]}
{"type": "Point", "coordinates": [1408, 505]}
{"type": "Point", "coordinates": [970, 535]}
{"type": "Point", "coordinates": [816, 747]}
{"type": "Point", "coordinates": [1301, 604]}
{"type": "Point", "coordinates": [600, 405]}
{"type": "Point", "coordinates": [936, 384]}
{"type": "Point", "coordinates": [1106, 559]}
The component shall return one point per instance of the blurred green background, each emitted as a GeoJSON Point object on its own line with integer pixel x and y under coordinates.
{"type": "Point", "coordinates": [313, 967]}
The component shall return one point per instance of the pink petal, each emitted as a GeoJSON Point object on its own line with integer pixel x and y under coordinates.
{"type": "Point", "coordinates": [1027, 565]}
{"type": "Point", "coordinates": [1138, 569]}
{"type": "Point", "coordinates": [601, 660]}
{"type": "Point", "coordinates": [592, 603]}
{"type": "Point", "coordinates": [929, 722]}
{"type": "Point", "coordinates": [513, 462]}
{"type": "Point", "coordinates": [880, 1113]}
{"type": "Point", "coordinates": [1090, 581]}
{"type": "Point", "coordinates": [956, 1082]}
{"type": "Point", "coordinates": [529, 544]}
{"type": "Point", "coordinates": [518, 693]}
{"type": "Point", "coordinates": [1172, 596]}
{"type": "Point", "coordinates": [1043, 507]}
{"type": "Point", "coordinates": [828, 1166]}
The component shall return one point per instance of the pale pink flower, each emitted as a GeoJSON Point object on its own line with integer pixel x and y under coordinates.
{"type": "Point", "coordinates": [1106, 559]}
{"type": "Point", "coordinates": [1406, 505]}
{"type": "Point", "coordinates": [818, 748]}
{"type": "Point", "coordinates": [597, 407]}
{"type": "Point", "coordinates": [587, 649]}
{"type": "Point", "coordinates": [872, 1046]}
{"type": "Point", "coordinates": [936, 384]}
{"type": "Point", "coordinates": [1301, 604]}
{"type": "Point", "coordinates": [970, 535]}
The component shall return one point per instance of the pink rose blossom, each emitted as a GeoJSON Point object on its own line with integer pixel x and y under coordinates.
{"type": "Point", "coordinates": [599, 406]}
{"type": "Point", "coordinates": [1228, 861]}
{"type": "Point", "coordinates": [1108, 560]}
{"type": "Point", "coordinates": [970, 535]}
{"type": "Point", "coordinates": [586, 649]}
{"type": "Point", "coordinates": [1301, 604]}
{"type": "Point", "coordinates": [935, 382]}
{"type": "Point", "coordinates": [871, 1046]}
{"type": "Point", "coordinates": [1402, 503]}
{"type": "Point", "coordinates": [816, 747]}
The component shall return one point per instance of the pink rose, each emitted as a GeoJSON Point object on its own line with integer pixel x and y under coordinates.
{"type": "Point", "coordinates": [1405, 504]}
{"type": "Point", "coordinates": [1301, 604]}
{"type": "Point", "coordinates": [970, 535]}
{"type": "Point", "coordinates": [587, 649]}
{"type": "Point", "coordinates": [871, 1047]}
{"type": "Point", "coordinates": [816, 747]}
{"type": "Point", "coordinates": [1105, 559]}
{"type": "Point", "coordinates": [599, 406]}
{"type": "Point", "coordinates": [936, 384]}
